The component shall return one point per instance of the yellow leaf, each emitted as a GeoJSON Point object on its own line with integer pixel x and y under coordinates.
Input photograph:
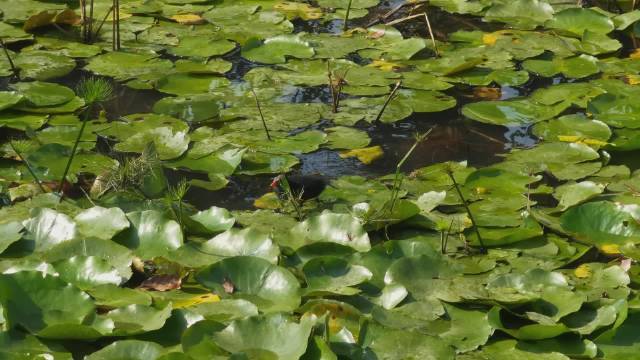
{"type": "Point", "coordinates": [301, 10]}
{"type": "Point", "coordinates": [269, 200]}
{"type": "Point", "coordinates": [632, 79]}
{"type": "Point", "coordinates": [490, 39]}
{"type": "Point", "coordinates": [196, 300]}
{"type": "Point", "coordinates": [365, 155]}
{"type": "Point", "coordinates": [635, 54]}
{"type": "Point", "coordinates": [385, 65]}
{"type": "Point", "coordinates": [581, 140]}
{"type": "Point", "coordinates": [50, 17]}
{"type": "Point", "coordinates": [188, 19]}
{"type": "Point", "coordinates": [123, 15]}
{"type": "Point", "coordinates": [582, 271]}
{"type": "Point", "coordinates": [610, 249]}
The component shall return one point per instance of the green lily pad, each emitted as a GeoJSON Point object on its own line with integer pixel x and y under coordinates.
{"type": "Point", "coordinates": [257, 333]}
{"type": "Point", "coordinates": [41, 65]}
{"type": "Point", "coordinates": [575, 67]}
{"type": "Point", "coordinates": [9, 98]}
{"type": "Point", "coordinates": [511, 112]}
{"type": "Point", "coordinates": [214, 219]}
{"type": "Point", "coordinates": [151, 234]}
{"type": "Point", "coordinates": [185, 84]}
{"type": "Point", "coordinates": [11, 232]}
{"type": "Point", "coordinates": [270, 287]}
{"type": "Point", "coordinates": [22, 121]}
{"type": "Point", "coordinates": [194, 46]}
{"type": "Point", "coordinates": [101, 223]}
{"type": "Point", "coordinates": [521, 14]}
{"type": "Point", "coordinates": [601, 223]}
{"type": "Point", "coordinates": [275, 50]}
{"type": "Point", "coordinates": [329, 274]}
{"type": "Point", "coordinates": [39, 93]}
{"type": "Point", "coordinates": [576, 20]}
{"type": "Point", "coordinates": [341, 137]}
{"type": "Point", "coordinates": [330, 227]}
{"type": "Point", "coordinates": [87, 272]}
{"type": "Point", "coordinates": [125, 66]}
{"type": "Point", "coordinates": [193, 109]}
{"type": "Point", "coordinates": [128, 349]}
{"type": "Point", "coordinates": [50, 161]}
{"type": "Point", "coordinates": [49, 228]}
{"type": "Point", "coordinates": [45, 302]}
{"type": "Point", "coordinates": [245, 242]}
{"type": "Point", "coordinates": [572, 194]}
{"type": "Point", "coordinates": [578, 126]}
{"type": "Point", "coordinates": [168, 144]}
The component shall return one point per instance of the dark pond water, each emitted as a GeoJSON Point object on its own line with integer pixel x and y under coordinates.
{"type": "Point", "coordinates": [452, 138]}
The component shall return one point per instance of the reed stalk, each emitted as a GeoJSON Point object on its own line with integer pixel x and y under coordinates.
{"type": "Point", "coordinates": [345, 26]}
{"type": "Point", "coordinates": [391, 96]}
{"type": "Point", "coordinates": [29, 168]}
{"type": "Point", "coordinates": [264, 123]}
{"type": "Point", "coordinates": [483, 249]}
{"type": "Point", "coordinates": [14, 70]}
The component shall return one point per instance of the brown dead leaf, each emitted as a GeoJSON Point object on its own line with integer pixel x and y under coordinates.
{"type": "Point", "coordinates": [228, 286]}
{"type": "Point", "coordinates": [487, 93]}
{"type": "Point", "coordinates": [162, 283]}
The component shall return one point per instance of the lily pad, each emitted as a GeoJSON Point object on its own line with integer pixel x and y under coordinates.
{"type": "Point", "coordinates": [274, 50]}
{"type": "Point", "coordinates": [270, 287]}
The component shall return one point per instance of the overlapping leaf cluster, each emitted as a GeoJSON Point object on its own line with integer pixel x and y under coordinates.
{"type": "Point", "coordinates": [385, 268]}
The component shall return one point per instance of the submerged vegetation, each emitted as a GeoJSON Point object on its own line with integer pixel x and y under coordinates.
{"type": "Point", "coordinates": [451, 179]}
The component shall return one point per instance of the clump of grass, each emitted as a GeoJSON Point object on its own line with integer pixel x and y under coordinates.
{"type": "Point", "coordinates": [130, 174]}
{"type": "Point", "coordinates": [175, 195]}
{"type": "Point", "coordinates": [93, 91]}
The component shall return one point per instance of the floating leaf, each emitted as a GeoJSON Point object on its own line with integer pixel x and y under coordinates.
{"type": "Point", "coordinates": [365, 155]}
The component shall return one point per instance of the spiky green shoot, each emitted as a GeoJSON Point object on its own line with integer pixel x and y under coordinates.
{"type": "Point", "coordinates": [94, 90]}
{"type": "Point", "coordinates": [176, 194]}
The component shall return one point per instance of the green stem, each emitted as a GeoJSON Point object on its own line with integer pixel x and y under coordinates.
{"type": "Point", "coordinates": [483, 249]}
{"type": "Point", "coordinates": [73, 150]}
{"type": "Point", "coordinates": [346, 17]}
{"type": "Point", "coordinates": [392, 94]}
{"type": "Point", "coordinates": [14, 70]}
{"type": "Point", "coordinates": [95, 35]}
{"type": "Point", "coordinates": [264, 123]}
{"type": "Point", "coordinates": [397, 180]}
{"type": "Point", "coordinates": [26, 163]}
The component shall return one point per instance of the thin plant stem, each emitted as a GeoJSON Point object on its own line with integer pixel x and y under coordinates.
{"type": "Point", "coordinates": [392, 94]}
{"type": "Point", "coordinates": [29, 168]}
{"type": "Point", "coordinates": [102, 22]}
{"type": "Point", "coordinates": [83, 17]}
{"type": "Point", "coordinates": [264, 123]}
{"type": "Point", "coordinates": [14, 70]}
{"type": "Point", "coordinates": [433, 39]}
{"type": "Point", "coordinates": [346, 17]}
{"type": "Point", "coordinates": [397, 179]}
{"type": "Point", "coordinates": [291, 198]}
{"type": "Point", "coordinates": [333, 95]}
{"type": "Point", "coordinates": [73, 150]}
{"type": "Point", "coordinates": [483, 249]}
{"type": "Point", "coordinates": [117, 13]}
{"type": "Point", "coordinates": [90, 28]}
{"type": "Point", "coordinates": [113, 26]}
